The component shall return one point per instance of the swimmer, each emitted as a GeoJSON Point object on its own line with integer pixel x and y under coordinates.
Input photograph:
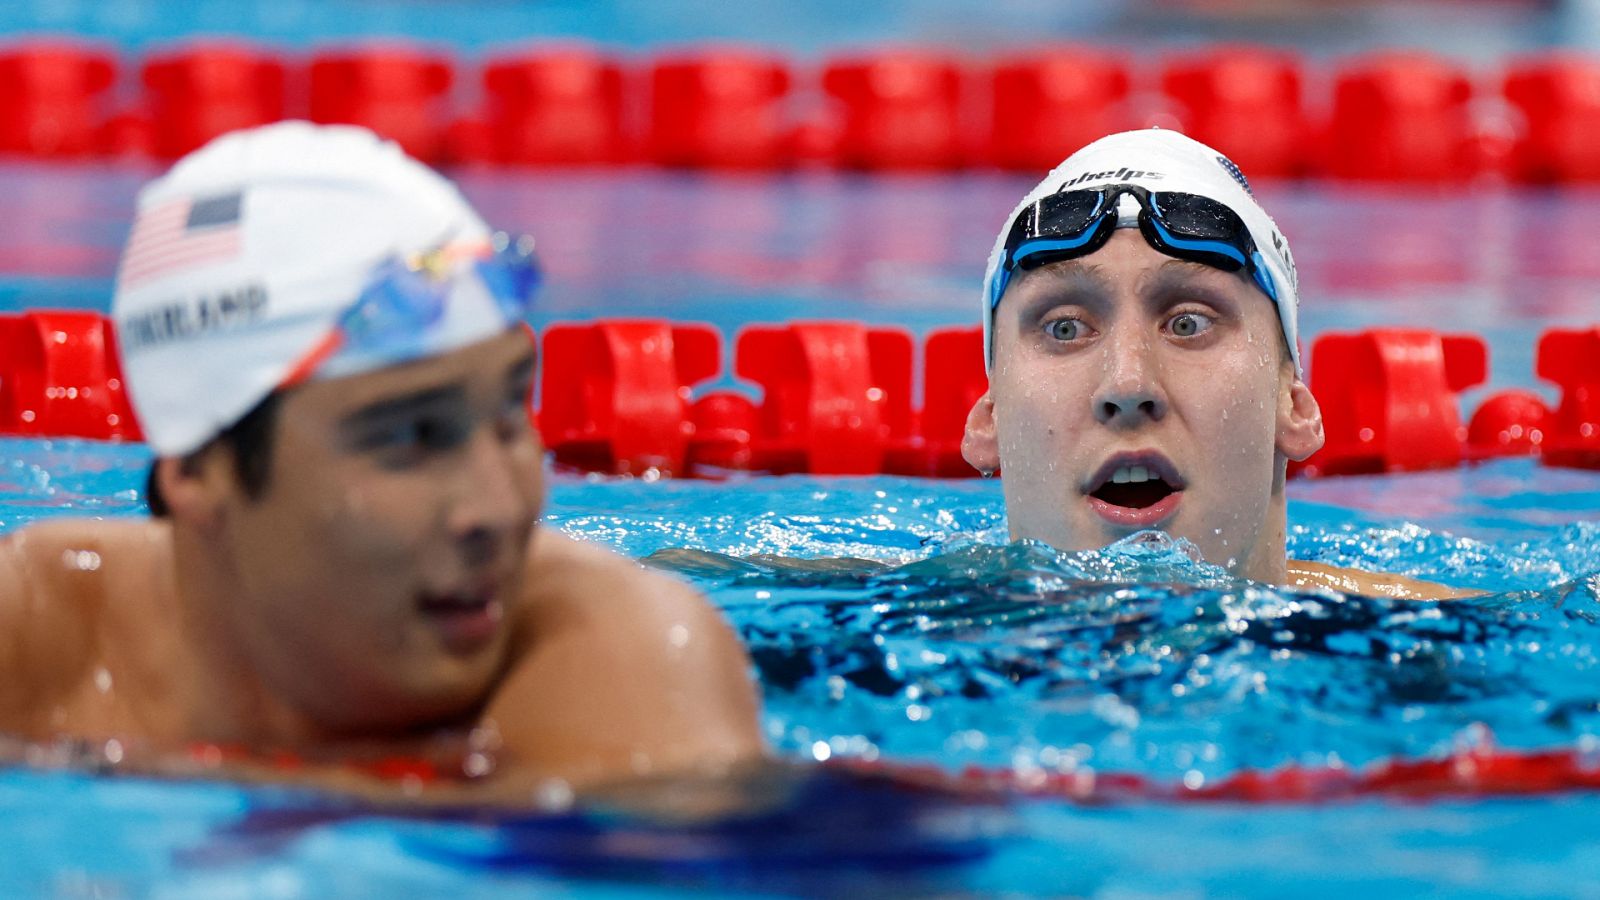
{"type": "Point", "coordinates": [324, 346]}
{"type": "Point", "coordinates": [1139, 322]}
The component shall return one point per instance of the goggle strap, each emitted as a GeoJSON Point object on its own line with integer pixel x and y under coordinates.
{"type": "Point", "coordinates": [314, 358]}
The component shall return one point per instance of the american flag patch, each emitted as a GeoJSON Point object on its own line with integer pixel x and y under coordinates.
{"type": "Point", "coordinates": [182, 233]}
{"type": "Point", "coordinates": [1238, 176]}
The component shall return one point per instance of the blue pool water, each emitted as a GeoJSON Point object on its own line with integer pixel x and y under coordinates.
{"type": "Point", "coordinates": [938, 642]}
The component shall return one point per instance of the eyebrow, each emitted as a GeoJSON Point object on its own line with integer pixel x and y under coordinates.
{"type": "Point", "coordinates": [1073, 271]}
{"type": "Point", "coordinates": [1186, 276]}
{"type": "Point", "coordinates": [405, 405]}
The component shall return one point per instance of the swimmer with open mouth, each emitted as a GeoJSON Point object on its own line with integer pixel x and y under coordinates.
{"type": "Point", "coordinates": [1140, 325]}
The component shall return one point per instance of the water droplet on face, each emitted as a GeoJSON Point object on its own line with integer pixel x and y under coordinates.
{"type": "Point", "coordinates": [102, 680]}
{"type": "Point", "coordinates": [678, 636]}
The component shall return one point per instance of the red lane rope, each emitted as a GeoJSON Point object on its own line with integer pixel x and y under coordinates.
{"type": "Point", "coordinates": [1470, 774]}
{"type": "Point", "coordinates": [629, 396]}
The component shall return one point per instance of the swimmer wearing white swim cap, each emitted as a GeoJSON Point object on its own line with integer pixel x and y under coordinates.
{"type": "Point", "coordinates": [325, 347]}
{"type": "Point", "coordinates": [1140, 330]}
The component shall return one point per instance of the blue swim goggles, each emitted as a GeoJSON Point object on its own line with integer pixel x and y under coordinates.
{"type": "Point", "coordinates": [1070, 224]}
{"type": "Point", "coordinates": [405, 298]}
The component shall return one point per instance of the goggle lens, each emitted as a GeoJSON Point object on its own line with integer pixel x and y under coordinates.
{"type": "Point", "coordinates": [1070, 224]}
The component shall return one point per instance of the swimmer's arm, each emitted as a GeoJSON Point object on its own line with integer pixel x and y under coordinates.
{"type": "Point", "coordinates": [1370, 584]}
{"type": "Point", "coordinates": [626, 672]}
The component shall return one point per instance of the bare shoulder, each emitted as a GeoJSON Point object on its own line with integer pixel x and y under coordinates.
{"type": "Point", "coordinates": [1371, 584]}
{"type": "Point", "coordinates": [47, 540]}
{"type": "Point", "coordinates": [570, 575]}
{"type": "Point", "coordinates": [623, 671]}
{"type": "Point", "coordinates": [55, 578]}
{"type": "Point", "coordinates": [71, 562]}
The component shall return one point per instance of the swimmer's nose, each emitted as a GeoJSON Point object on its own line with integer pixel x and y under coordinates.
{"type": "Point", "coordinates": [1130, 391]}
{"type": "Point", "coordinates": [492, 499]}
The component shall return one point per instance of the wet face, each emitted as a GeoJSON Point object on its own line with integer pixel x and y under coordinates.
{"type": "Point", "coordinates": [1132, 391]}
{"type": "Point", "coordinates": [379, 571]}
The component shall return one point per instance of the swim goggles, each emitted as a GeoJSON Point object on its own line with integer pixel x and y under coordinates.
{"type": "Point", "coordinates": [1070, 224]}
{"type": "Point", "coordinates": [405, 297]}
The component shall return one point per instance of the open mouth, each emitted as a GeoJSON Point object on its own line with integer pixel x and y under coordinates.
{"type": "Point", "coordinates": [1136, 490]}
{"type": "Point", "coordinates": [453, 604]}
{"type": "Point", "coordinates": [1134, 487]}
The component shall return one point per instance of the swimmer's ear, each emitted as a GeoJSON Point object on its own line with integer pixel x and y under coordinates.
{"type": "Point", "coordinates": [189, 488]}
{"type": "Point", "coordinates": [1299, 422]}
{"type": "Point", "coordinates": [979, 446]}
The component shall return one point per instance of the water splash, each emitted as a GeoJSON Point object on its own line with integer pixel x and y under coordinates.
{"type": "Point", "coordinates": [1140, 658]}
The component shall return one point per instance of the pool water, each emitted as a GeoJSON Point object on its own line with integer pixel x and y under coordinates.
{"type": "Point", "coordinates": [931, 640]}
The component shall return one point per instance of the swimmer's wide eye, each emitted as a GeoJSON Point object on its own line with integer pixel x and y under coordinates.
{"type": "Point", "coordinates": [1189, 324]}
{"type": "Point", "coordinates": [1065, 329]}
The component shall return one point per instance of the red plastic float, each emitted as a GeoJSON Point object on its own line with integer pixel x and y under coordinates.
{"type": "Point", "coordinates": [1571, 359]}
{"type": "Point", "coordinates": [837, 395]}
{"type": "Point", "coordinates": [614, 395]}
{"type": "Point", "coordinates": [898, 110]}
{"type": "Point", "coordinates": [396, 91]}
{"type": "Point", "coordinates": [555, 106]}
{"type": "Point", "coordinates": [54, 98]}
{"type": "Point", "coordinates": [1510, 423]}
{"type": "Point", "coordinates": [60, 378]}
{"type": "Point", "coordinates": [1246, 102]}
{"type": "Point", "coordinates": [1388, 399]}
{"type": "Point", "coordinates": [725, 424]}
{"type": "Point", "coordinates": [1402, 117]}
{"type": "Point", "coordinates": [720, 108]}
{"type": "Point", "coordinates": [199, 92]}
{"type": "Point", "coordinates": [953, 379]}
{"type": "Point", "coordinates": [1559, 100]}
{"type": "Point", "coordinates": [1049, 103]}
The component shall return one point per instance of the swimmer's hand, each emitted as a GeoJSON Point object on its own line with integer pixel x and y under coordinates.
{"type": "Point", "coordinates": [1370, 584]}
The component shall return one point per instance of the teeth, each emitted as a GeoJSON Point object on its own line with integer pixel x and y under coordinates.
{"type": "Point", "coordinates": [1131, 475]}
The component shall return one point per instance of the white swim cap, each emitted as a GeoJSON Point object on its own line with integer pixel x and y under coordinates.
{"type": "Point", "coordinates": [1161, 160]}
{"type": "Point", "coordinates": [247, 256]}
